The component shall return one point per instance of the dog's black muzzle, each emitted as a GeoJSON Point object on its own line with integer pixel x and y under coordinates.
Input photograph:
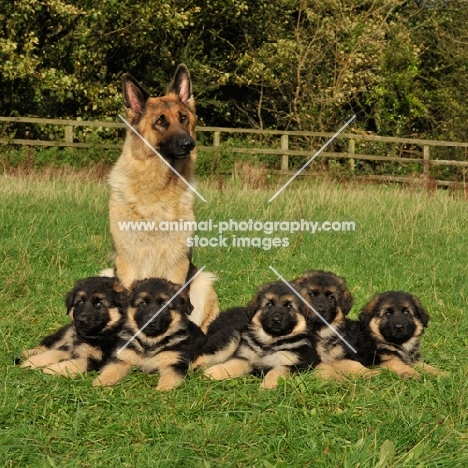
{"type": "Point", "coordinates": [177, 147]}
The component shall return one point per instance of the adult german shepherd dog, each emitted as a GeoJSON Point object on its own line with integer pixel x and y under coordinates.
{"type": "Point", "coordinates": [146, 189]}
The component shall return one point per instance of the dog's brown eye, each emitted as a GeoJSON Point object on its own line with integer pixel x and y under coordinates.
{"type": "Point", "coordinates": [160, 120]}
{"type": "Point", "coordinates": [183, 118]}
{"type": "Point", "coordinates": [331, 297]}
{"type": "Point", "coordinates": [269, 304]}
{"type": "Point", "coordinates": [79, 302]}
{"type": "Point", "coordinates": [288, 305]}
{"type": "Point", "coordinates": [406, 311]}
{"type": "Point", "coordinates": [142, 304]}
{"type": "Point", "coordinates": [163, 303]}
{"type": "Point", "coordinates": [312, 293]}
{"type": "Point", "coordinates": [98, 305]}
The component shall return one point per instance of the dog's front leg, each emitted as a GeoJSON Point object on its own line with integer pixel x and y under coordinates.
{"type": "Point", "coordinates": [229, 370]}
{"type": "Point", "coordinates": [169, 379]}
{"type": "Point", "coordinates": [428, 369]}
{"type": "Point", "coordinates": [339, 370]}
{"type": "Point", "coordinates": [44, 359]}
{"type": "Point", "coordinates": [112, 373]}
{"type": "Point", "coordinates": [33, 352]}
{"type": "Point", "coordinates": [71, 368]}
{"type": "Point", "coordinates": [404, 371]}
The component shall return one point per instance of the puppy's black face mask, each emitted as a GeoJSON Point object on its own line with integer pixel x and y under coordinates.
{"type": "Point", "coordinates": [278, 317]}
{"type": "Point", "coordinates": [94, 305]}
{"type": "Point", "coordinates": [153, 314]}
{"type": "Point", "coordinates": [326, 293]}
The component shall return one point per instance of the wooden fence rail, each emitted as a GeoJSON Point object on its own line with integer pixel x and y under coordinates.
{"type": "Point", "coordinates": [284, 152]}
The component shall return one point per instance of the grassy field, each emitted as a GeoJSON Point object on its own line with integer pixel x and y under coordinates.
{"type": "Point", "coordinates": [54, 230]}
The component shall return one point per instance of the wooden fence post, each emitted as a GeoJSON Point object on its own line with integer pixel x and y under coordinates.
{"type": "Point", "coordinates": [351, 150]}
{"type": "Point", "coordinates": [426, 157]}
{"type": "Point", "coordinates": [284, 157]}
{"type": "Point", "coordinates": [216, 144]}
{"type": "Point", "coordinates": [69, 134]}
{"type": "Point", "coordinates": [216, 139]}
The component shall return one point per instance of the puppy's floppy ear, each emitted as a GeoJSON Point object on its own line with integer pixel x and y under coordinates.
{"type": "Point", "coordinates": [368, 311]}
{"type": "Point", "coordinates": [184, 302]}
{"type": "Point", "coordinates": [117, 286]}
{"type": "Point", "coordinates": [69, 300]}
{"type": "Point", "coordinates": [423, 315]}
{"type": "Point", "coordinates": [346, 302]}
{"type": "Point", "coordinates": [121, 294]}
{"type": "Point", "coordinates": [255, 303]}
{"type": "Point", "coordinates": [300, 285]}
{"type": "Point", "coordinates": [187, 306]}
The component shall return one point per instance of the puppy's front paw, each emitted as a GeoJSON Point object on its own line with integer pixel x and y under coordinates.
{"type": "Point", "coordinates": [218, 372]}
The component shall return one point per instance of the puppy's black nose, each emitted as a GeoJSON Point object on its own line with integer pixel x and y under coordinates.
{"type": "Point", "coordinates": [398, 326]}
{"type": "Point", "coordinates": [320, 308]}
{"type": "Point", "coordinates": [276, 318]}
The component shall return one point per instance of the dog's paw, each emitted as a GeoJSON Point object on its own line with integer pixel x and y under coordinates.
{"type": "Point", "coordinates": [269, 383]}
{"type": "Point", "coordinates": [32, 352]}
{"type": "Point", "coordinates": [409, 374]}
{"type": "Point", "coordinates": [199, 363]}
{"type": "Point", "coordinates": [369, 373]}
{"type": "Point", "coordinates": [100, 382]}
{"type": "Point", "coordinates": [428, 369]}
{"type": "Point", "coordinates": [64, 368]}
{"type": "Point", "coordinates": [168, 382]}
{"type": "Point", "coordinates": [217, 372]}
{"type": "Point", "coordinates": [328, 372]}
{"type": "Point", "coordinates": [33, 362]}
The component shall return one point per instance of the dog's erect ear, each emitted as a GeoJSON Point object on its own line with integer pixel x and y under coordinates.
{"type": "Point", "coordinates": [368, 311]}
{"type": "Point", "coordinates": [423, 315]}
{"type": "Point", "coordinates": [135, 95]}
{"type": "Point", "coordinates": [181, 85]}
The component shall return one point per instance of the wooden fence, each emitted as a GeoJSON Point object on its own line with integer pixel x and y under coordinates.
{"type": "Point", "coordinates": [408, 146]}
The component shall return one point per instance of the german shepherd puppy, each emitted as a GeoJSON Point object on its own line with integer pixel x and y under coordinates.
{"type": "Point", "coordinates": [146, 189]}
{"type": "Point", "coordinates": [157, 335]}
{"type": "Point", "coordinates": [393, 323]}
{"type": "Point", "coordinates": [95, 307]}
{"type": "Point", "coordinates": [277, 339]}
{"type": "Point", "coordinates": [335, 336]}
{"type": "Point", "coordinates": [223, 337]}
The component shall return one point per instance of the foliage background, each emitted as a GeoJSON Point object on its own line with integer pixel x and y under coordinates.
{"type": "Point", "coordinates": [401, 66]}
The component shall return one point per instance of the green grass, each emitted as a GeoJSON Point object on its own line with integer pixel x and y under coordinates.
{"type": "Point", "coordinates": [54, 231]}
